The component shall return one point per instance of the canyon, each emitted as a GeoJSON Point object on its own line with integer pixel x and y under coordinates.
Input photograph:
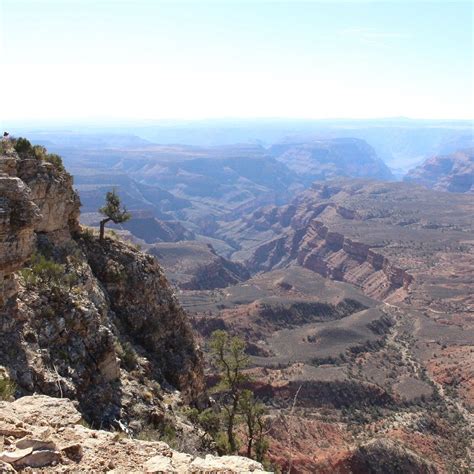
{"type": "Point", "coordinates": [353, 296]}
{"type": "Point", "coordinates": [359, 293]}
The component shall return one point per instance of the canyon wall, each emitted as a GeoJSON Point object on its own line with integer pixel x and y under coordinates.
{"type": "Point", "coordinates": [311, 243]}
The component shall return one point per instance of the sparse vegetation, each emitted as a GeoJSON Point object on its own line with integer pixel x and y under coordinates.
{"type": "Point", "coordinates": [253, 413]}
{"type": "Point", "coordinates": [46, 274]}
{"type": "Point", "coordinates": [55, 160]}
{"type": "Point", "coordinates": [228, 355]}
{"type": "Point", "coordinates": [237, 413]}
{"type": "Point", "coordinates": [7, 388]}
{"type": "Point", "coordinates": [22, 146]}
{"type": "Point", "coordinates": [165, 432]}
{"type": "Point", "coordinates": [43, 271]}
{"type": "Point", "coordinates": [25, 149]}
{"type": "Point", "coordinates": [128, 356]}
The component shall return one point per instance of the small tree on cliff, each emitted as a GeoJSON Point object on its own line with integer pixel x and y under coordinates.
{"type": "Point", "coordinates": [229, 356]}
{"type": "Point", "coordinates": [253, 413]}
{"type": "Point", "coordinates": [113, 211]}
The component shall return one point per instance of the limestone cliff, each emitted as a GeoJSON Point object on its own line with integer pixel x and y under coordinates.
{"type": "Point", "coordinates": [92, 321]}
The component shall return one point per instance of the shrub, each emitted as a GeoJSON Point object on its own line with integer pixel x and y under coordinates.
{"type": "Point", "coordinates": [166, 433]}
{"type": "Point", "coordinates": [29, 277]}
{"type": "Point", "coordinates": [22, 145]}
{"type": "Point", "coordinates": [208, 419]}
{"type": "Point", "coordinates": [55, 160]}
{"type": "Point", "coordinates": [87, 233]}
{"type": "Point", "coordinates": [5, 146]}
{"type": "Point", "coordinates": [128, 356]}
{"type": "Point", "coordinates": [7, 388]}
{"type": "Point", "coordinates": [39, 152]}
{"type": "Point", "coordinates": [222, 443]}
{"type": "Point", "coordinates": [46, 273]}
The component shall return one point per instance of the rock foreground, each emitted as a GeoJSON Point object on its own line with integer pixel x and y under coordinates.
{"type": "Point", "coordinates": [46, 434]}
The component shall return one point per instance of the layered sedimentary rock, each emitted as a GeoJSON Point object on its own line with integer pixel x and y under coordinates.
{"type": "Point", "coordinates": [328, 158]}
{"type": "Point", "coordinates": [333, 255]}
{"type": "Point", "coordinates": [376, 236]}
{"type": "Point", "coordinates": [313, 245]}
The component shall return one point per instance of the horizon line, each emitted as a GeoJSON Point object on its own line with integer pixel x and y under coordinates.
{"type": "Point", "coordinates": [231, 118]}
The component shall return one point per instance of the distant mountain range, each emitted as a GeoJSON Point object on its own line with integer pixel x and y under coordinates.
{"type": "Point", "coordinates": [400, 142]}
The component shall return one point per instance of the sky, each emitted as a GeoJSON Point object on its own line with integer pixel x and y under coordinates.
{"type": "Point", "coordinates": [152, 59]}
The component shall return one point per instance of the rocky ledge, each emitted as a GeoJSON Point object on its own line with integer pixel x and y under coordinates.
{"type": "Point", "coordinates": [48, 435]}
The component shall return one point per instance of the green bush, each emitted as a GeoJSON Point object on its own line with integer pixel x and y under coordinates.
{"type": "Point", "coordinates": [7, 388]}
{"type": "Point", "coordinates": [222, 443]}
{"type": "Point", "coordinates": [55, 160]}
{"type": "Point", "coordinates": [166, 433]}
{"type": "Point", "coordinates": [87, 233]}
{"type": "Point", "coordinates": [22, 145]}
{"type": "Point", "coordinates": [47, 271]}
{"type": "Point", "coordinates": [39, 152]}
{"type": "Point", "coordinates": [29, 277]}
{"type": "Point", "coordinates": [47, 274]}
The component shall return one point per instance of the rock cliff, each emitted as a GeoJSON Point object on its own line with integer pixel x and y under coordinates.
{"type": "Point", "coordinates": [92, 321]}
{"type": "Point", "coordinates": [314, 245]}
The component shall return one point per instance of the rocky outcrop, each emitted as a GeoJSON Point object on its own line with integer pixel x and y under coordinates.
{"type": "Point", "coordinates": [92, 321]}
{"type": "Point", "coordinates": [18, 217]}
{"type": "Point", "coordinates": [332, 255]}
{"type": "Point", "coordinates": [51, 190]}
{"type": "Point", "coordinates": [48, 433]}
{"type": "Point", "coordinates": [34, 197]}
{"type": "Point", "coordinates": [147, 311]}
{"type": "Point", "coordinates": [373, 235]}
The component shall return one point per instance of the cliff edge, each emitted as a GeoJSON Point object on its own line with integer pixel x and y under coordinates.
{"type": "Point", "coordinates": [91, 321]}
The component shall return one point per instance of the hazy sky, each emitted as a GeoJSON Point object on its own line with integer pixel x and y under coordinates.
{"type": "Point", "coordinates": [158, 59]}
